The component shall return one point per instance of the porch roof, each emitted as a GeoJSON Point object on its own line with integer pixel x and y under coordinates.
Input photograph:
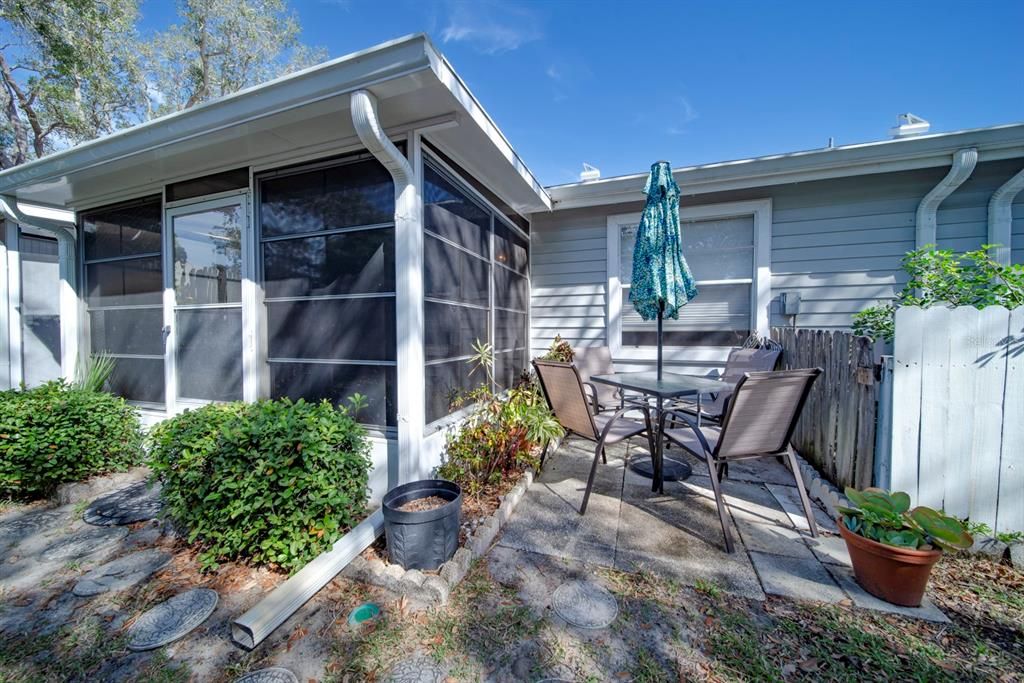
{"type": "Point", "coordinates": [290, 118]}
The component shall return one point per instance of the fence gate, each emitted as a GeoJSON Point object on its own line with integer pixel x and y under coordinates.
{"type": "Point", "coordinates": [958, 412]}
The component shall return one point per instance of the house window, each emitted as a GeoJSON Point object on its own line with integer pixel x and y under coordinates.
{"type": "Point", "coordinates": [475, 288]}
{"type": "Point", "coordinates": [123, 287]}
{"type": "Point", "coordinates": [327, 247]}
{"type": "Point", "coordinates": [726, 247]}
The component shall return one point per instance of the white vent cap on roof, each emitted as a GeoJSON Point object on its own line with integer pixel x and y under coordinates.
{"type": "Point", "coordinates": [589, 173]}
{"type": "Point", "coordinates": [909, 124]}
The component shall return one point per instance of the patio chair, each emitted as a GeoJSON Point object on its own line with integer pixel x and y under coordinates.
{"type": "Point", "coordinates": [758, 423]}
{"type": "Point", "coordinates": [563, 389]}
{"type": "Point", "coordinates": [597, 360]}
{"type": "Point", "coordinates": [740, 362]}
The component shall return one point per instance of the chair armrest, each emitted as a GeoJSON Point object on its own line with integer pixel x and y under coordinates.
{"type": "Point", "coordinates": [690, 422]}
{"type": "Point", "coordinates": [593, 395]}
{"type": "Point", "coordinates": [618, 416]}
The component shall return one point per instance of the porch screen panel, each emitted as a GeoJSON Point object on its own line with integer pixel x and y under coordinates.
{"type": "Point", "coordinates": [475, 288]}
{"type": "Point", "coordinates": [122, 252]}
{"type": "Point", "coordinates": [327, 248]}
{"type": "Point", "coordinates": [720, 254]}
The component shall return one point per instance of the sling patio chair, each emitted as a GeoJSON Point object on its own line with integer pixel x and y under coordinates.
{"type": "Point", "coordinates": [563, 389]}
{"type": "Point", "coordinates": [597, 360]}
{"type": "Point", "coordinates": [758, 423]}
{"type": "Point", "coordinates": [740, 362]}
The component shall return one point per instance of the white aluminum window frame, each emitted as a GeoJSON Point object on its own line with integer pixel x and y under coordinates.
{"type": "Point", "coordinates": [760, 280]}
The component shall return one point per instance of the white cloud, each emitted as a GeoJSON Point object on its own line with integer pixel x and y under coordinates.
{"type": "Point", "coordinates": [491, 28]}
{"type": "Point", "coordinates": [686, 114]}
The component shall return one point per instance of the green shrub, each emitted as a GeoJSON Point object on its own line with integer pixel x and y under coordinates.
{"type": "Point", "coordinates": [56, 433]}
{"type": "Point", "coordinates": [941, 277]}
{"type": "Point", "coordinates": [272, 482]}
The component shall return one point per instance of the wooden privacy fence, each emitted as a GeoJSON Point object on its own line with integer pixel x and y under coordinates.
{"type": "Point", "coordinates": [958, 412]}
{"type": "Point", "coordinates": [836, 431]}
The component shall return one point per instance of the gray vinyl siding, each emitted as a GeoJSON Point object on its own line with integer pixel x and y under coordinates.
{"type": "Point", "coordinates": [837, 242]}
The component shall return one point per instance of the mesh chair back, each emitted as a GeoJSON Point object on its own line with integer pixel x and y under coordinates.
{"type": "Point", "coordinates": [563, 388]}
{"type": "Point", "coordinates": [742, 361]}
{"type": "Point", "coordinates": [597, 360]}
{"type": "Point", "coordinates": [763, 412]}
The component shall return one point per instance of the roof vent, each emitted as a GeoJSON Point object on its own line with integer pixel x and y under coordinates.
{"type": "Point", "coordinates": [589, 173]}
{"type": "Point", "coordinates": [908, 125]}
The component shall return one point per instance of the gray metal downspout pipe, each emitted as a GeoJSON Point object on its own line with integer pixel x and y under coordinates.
{"type": "Point", "coordinates": [254, 626]}
{"type": "Point", "coordinates": [1000, 217]}
{"type": "Point", "coordinates": [65, 233]}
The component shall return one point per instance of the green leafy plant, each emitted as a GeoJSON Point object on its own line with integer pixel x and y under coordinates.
{"type": "Point", "coordinates": [500, 435]}
{"type": "Point", "coordinates": [92, 375]}
{"type": "Point", "coordinates": [942, 277]}
{"type": "Point", "coordinates": [58, 433]}
{"type": "Point", "coordinates": [560, 350]}
{"type": "Point", "coordinates": [887, 518]}
{"type": "Point", "coordinates": [274, 482]}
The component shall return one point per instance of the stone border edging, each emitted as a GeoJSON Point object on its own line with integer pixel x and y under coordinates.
{"type": "Point", "coordinates": [820, 489]}
{"type": "Point", "coordinates": [436, 589]}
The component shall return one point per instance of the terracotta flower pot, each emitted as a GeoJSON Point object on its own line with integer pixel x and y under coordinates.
{"type": "Point", "coordinates": [896, 575]}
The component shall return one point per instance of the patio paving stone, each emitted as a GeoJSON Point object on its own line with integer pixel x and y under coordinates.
{"type": "Point", "coordinates": [797, 579]}
{"type": "Point", "coordinates": [845, 578]}
{"type": "Point", "coordinates": [830, 550]}
{"type": "Point", "coordinates": [789, 499]}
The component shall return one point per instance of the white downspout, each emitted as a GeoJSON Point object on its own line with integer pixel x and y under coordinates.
{"type": "Point", "coordinates": [1000, 217]}
{"type": "Point", "coordinates": [964, 161]}
{"type": "Point", "coordinates": [408, 287]}
{"type": "Point", "coordinates": [65, 232]}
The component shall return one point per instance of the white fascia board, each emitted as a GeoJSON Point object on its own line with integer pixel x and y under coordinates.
{"type": "Point", "coordinates": [336, 77]}
{"type": "Point", "coordinates": [926, 151]}
{"type": "Point", "coordinates": [451, 80]}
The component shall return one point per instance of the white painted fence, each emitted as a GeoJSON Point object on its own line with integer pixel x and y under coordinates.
{"type": "Point", "coordinates": [958, 412]}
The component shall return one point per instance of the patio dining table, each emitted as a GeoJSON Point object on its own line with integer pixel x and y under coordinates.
{"type": "Point", "coordinates": [672, 385]}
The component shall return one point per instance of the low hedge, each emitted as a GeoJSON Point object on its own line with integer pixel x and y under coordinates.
{"type": "Point", "coordinates": [272, 483]}
{"type": "Point", "coordinates": [57, 433]}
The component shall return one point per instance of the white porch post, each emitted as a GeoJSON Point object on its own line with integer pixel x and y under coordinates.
{"type": "Point", "coordinates": [408, 283]}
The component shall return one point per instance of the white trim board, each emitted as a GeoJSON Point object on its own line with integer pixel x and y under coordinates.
{"type": "Point", "coordinates": [760, 284]}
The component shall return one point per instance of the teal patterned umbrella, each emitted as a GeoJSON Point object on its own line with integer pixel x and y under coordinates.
{"type": "Point", "coordinates": [662, 282]}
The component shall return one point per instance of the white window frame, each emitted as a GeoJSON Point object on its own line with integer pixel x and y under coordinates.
{"type": "Point", "coordinates": [760, 282]}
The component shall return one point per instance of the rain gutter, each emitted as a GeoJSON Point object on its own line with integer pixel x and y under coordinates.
{"type": "Point", "coordinates": [1000, 217]}
{"type": "Point", "coordinates": [64, 231]}
{"type": "Point", "coordinates": [964, 161]}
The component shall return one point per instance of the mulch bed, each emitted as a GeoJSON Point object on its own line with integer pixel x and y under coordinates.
{"type": "Point", "coordinates": [423, 504]}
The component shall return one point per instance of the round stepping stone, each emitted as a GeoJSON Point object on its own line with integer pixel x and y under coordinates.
{"type": "Point", "coordinates": [672, 469]}
{"type": "Point", "coordinates": [121, 573]}
{"type": "Point", "coordinates": [585, 604]}
{"type": "Point", "coordinates": [82, 544]}
{"type": "Point", "coordinates": [172, 619]}
{"type": "Point", "coordinates": [136, 503]}
{"type": "Point", "coordinates": [272, 675]}
{"type": "Point", "coordinates": [416, 670]}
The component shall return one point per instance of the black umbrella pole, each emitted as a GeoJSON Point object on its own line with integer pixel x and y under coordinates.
{"type": "Point", "coordinates": [661, 311]}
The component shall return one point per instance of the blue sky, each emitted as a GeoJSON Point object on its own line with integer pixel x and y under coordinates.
{"type": "Point", "coordinates": [621, 85]}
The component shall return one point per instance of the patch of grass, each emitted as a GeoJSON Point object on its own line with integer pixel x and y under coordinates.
{"type": "Point", "coordinates": [708, 588]}
{"type": "Point", "coordinates": [734, 642]}
{"type": "Point", "coordinates": [80, 508]}
{"type": "Point", "coordinates": [160, 669]}
{"type": "Point", "coordinates": [647, 669]}
{"type": "Point", "coordinates": [76, 652]}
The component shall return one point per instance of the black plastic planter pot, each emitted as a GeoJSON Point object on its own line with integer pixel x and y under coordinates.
{"type": "Point", "coordinates": [425, 539]}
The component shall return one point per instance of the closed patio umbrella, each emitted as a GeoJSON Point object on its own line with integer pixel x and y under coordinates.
{"type": "Point", "coordinates": [662, 282]}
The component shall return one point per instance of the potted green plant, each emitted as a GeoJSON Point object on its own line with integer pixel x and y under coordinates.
{"type": "Point", "coordinates": [892, 547]}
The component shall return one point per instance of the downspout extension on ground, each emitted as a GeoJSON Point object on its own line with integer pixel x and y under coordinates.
{"type": "Point", "coordinates": [1000, 217]}
{"type": "Point", "coordinates": [964, 161]}
{"type": "Point", "coordinates": [254, 626]}
{"type": "Point", "coordinates": [65, 232]}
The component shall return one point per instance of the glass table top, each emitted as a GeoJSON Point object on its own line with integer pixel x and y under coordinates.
{"type": "Point", "coordinates": [671, 384]}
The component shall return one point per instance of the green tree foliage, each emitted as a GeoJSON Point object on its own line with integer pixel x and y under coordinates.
{"type": "Point", "coordinates": [271, 482]}
{"type": "Point", "coordinates": [58, 433]}
{"type": "Point", "coordinates": [221, 46]}
{"type": "Point", "coordinates": [69, 71]}
{"type": "Point", "coordinates": [941, 277]}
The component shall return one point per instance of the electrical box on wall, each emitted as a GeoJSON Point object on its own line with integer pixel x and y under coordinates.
{"type": "Point", "coordinates": [790, 303]}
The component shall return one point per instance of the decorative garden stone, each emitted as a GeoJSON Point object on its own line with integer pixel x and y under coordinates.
{"type": "Point", "coordinates": [121, 573]}
{"type": "Point", "coordinates": [272, 675]}
{"type": "Point", "coordinates": [135, 503]}
{"type": "Point", "coordinates": [82, 544]}
{"type": "Point", "coordinates": [29, 524]}
{"type": "Point", "coordinates": [416, 670]}
{"type": "Point", "coordinates": [585, 604]}
{"type": "Point", "coordinates": [172, 619]}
